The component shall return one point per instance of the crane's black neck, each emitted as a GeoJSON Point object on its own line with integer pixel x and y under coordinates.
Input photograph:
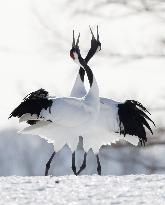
{"type": "Point", "coordinates": [87, 69]}
{"type": "Point", "coordinates": [82, 73]}
{"type": "Point", "coordinates": [90, 54]}
{"type": "Point", "coordinates": [89, 74]}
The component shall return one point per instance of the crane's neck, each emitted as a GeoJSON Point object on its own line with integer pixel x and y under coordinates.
{"type": "Point", "coordinates": [92, 97]}
{"type": "Point", "coordinates": [78, 89]}
{"type": "Point", "coordinates": [93, 92]}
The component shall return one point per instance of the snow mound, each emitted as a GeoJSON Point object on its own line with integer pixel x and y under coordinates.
{"type": "Point", "coordinates": [131, 189]}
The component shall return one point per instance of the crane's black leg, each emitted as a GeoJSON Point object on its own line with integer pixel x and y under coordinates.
{"type": "Point", "coordinates": [48, 164]}
{"type": "Point", "coordinates": [83, 164]}
{"type": "Point", "coordinates": [73, 163]}
{"type": "Point", "coordinates": [98, 165]}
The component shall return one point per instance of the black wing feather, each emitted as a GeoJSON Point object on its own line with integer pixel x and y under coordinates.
{"type": "Point", "coordinates": [133, 120]}
{"type": "Point", "coordinates": [33, 103]}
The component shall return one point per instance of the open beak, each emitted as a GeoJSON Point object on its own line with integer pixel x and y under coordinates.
{"type": "Point", "coordinates": [93, 34]}
{"type": "Point", "coordinates": [77, 42]}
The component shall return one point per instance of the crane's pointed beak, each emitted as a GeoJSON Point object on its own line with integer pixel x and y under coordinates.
{"type": "Point", "coordinates": [73, 43]}
{"type": "Point", "coordinates": [78, 40]}
{"type": "Point", "coordinates": [93, 37]}
{"type": "Point", "coordinates": [97, 33]}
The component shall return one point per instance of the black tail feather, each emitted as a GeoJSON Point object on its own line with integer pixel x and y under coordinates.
{"type": "Point", "coordinates": [32, 104]}
{"type": "Point", "coordinates": [146, 116]}
{"type": "Point", "coordinates": [136, 103]}
{"type": "Point", "coordinates": [133, 120]}
{"type": "Point", "coordinates": [146, 124]}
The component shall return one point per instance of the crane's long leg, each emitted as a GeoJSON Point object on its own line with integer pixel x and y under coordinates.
{"type": "Point", "coordinates": [83, 164]}
{"type": "Point", "coordinates": [98, 165]}
{"type": "Point", "coordinates": [48, 164]}
{"type": "Point", "coordinates": [73, 163]}
{"type": "Point", "coordinates": [50, 160]}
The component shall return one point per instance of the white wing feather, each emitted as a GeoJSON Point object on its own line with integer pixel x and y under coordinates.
{"type": "Point", "coordinates": [67, 129]}
{"type": "Point", "coordinates": [68, 112]}
{"type": "Point", "coordinates": [101, 132]}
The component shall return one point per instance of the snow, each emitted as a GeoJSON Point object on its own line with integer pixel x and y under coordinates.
{"type": "Point", "coordinates": [72, 190]}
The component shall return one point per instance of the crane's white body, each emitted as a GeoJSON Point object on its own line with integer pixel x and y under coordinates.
{"type": "Point", "coordinates": [100, 130]}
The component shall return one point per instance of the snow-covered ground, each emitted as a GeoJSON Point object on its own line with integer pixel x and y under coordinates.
{"type": "Point", "coordinates": [84, 190]}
